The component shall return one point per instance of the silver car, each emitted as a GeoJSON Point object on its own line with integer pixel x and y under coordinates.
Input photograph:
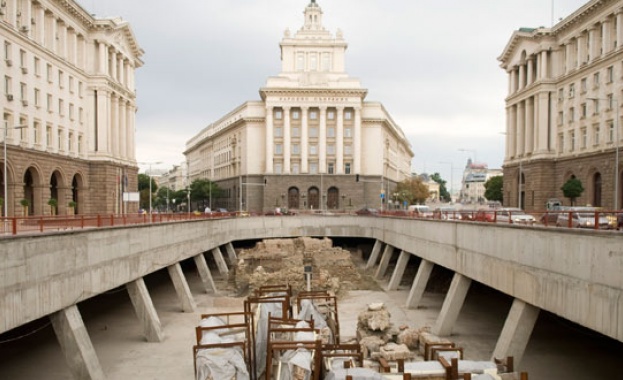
{"type": "Point", "coordinates": [582, 217]}
{"type": "Point", "coordinates": [514, 216]}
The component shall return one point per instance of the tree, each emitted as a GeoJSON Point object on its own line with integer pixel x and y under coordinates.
{"type": "Point", "coordinates": [143, 189]}
{"type": "Point", "coordinates": [443, 191]}
{"type": "Point", "coordinates": [493, 188]}
{"type": "Point", "coordinates": [572, 189]}
{"type": "Point", "coordinates": [413, 190]}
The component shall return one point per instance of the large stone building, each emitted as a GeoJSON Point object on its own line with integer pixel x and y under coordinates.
{"type": "Point", "coordinates": [475, 175]}
{"type": "Point", "coordinates": [563, 108]}
{"type": "Point", "coordinates": [311, 142]}
{"type": "Point", "coordinates": [68, 107]}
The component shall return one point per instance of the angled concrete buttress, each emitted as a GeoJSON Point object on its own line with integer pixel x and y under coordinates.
{"type": "Point", "coordinates": [375, 254]}
{"type": "Point", "coordinates": [181, 288]}
{"type": "Point", "coordinates": [387, 255]}
{"type": "Point", "coordinates": [452, 305]}
{"type": "Point", "coordinates": [516, 332]}
{"type": "Point", "coordinates": [204, 273]}
{"type": "Point", "coordinates": [419, 284]}
{"type": "Point", "coordinates": [231, 253]}
{"type": "Point", "coordinates": [76, 344]}
{"type": "Point", "coordinates": [145, 310]}
{"type": "Point", "coordinates": [403, 259]}
{"type": "Point", "coordinates": [220, 261]}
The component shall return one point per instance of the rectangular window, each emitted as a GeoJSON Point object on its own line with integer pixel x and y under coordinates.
{"type": "Point", "coordinates": [596, 79]}
{"type": "Point", "coordinates": [37, 97]}
{"type": "Point", "coordinates": [23, 92]}
{"type": "Point", "coordinates": [596, 107]}
{"type": "Point", "coordinates": [59, 139]}
{"type": "Point", "coordinates": [331, 168]}
{"type": "Point", "coordinates": [571, 90]}
{"type": "Point", "coordinates": [296, 115]}
{"type": "Point", "coordinates": [330, 132]}
{"type": "Point", "coordinates": [572, 141]}
{"type": "Point", "coordinates": [561, 94]}
{"type": "Point", "coordinates": [80, 89]}
{"type": "Point", "coordinates": [347, 168]}
{"type": "Point", "coordinates": [80, 115]}
{"type": "Point", "coordinates": [348, 132]}
{"type": "Point", "coordinates": [22, 61]}
{"type": "Point", "coordinates": [610, 102]}
{"type": "Point", "coordinates": [313, 62]}
{"type": "Point", "coordinates": [313, 115]}
{"type": "Point", "coordinates": [331, 115]}
{"type": "Point", "coordinates": [583, 86]}
{"type": "Point", "coordinates": [326, 62]}
{"type": "Point", "coordinates": [583, 108]}
{"type": "Point", "coordinates": [70, 145]}
{"type": "Point", "coordinates": [296, 169]}
{"type": "Point", "coordinates": [610, 74]}
{"type": "Point", "coordinates": [49, 73]}
{"type": "Point", "coordinates": [313, 168]}
{"type": "Point", "coordinates": [79, 144]}
{"type": "Point", "coordinates": [37, 129]}
{"type": "Point", "coordinates": [8, 87]}
{"type": "Point", "coordinates": [561, 118]}
{"type": "Point", "coordinates": [48, 135]}
{"type": "Point", "coordinates": [71, 111]}
{"type": "Point", "coordinates": [596, 134]}
{"type": "Point", "coordinates": [561, 143]}
{"type": "Point", "coordinates": [49, 102]}
{"type": "Point", "coordinates": [331, 149]}
{"type": "Point", "coordinates": [61, 106]}
{"type": "Point", "coordinates": [571, 114]}
{"type": "Point", "coordinates": [348, 150]}
{"type": "Point", "coordinates": [296, 149]}
{"type": "Point", "coordinates": [610, 131]}
{"type": "Point", "coordinates": [278, 168]}
{"type": "Point", "coordinates": [348, 115]}
{"type": "Point", "coordinates": [313, 149]}
{"type": "Point", "coordinates": [71, 84]}
{"type": "Point", "coordinates": [37, 66]}
{"type": "Point", "coordinates": [313, 132]}
{"type": "Point", "coordinates": [61, 79]}
{"type": "Point", "coordinates": [300, 62]}
{"type": "Point", "coordinates": [278, 149]}
{"type": "Point", "coordinates": [278, 132]}
{"type": "Point", "coordinates": [278, 115]}
{"type": "Point", "coordinates": [584, 138]}
{"type": "Point", "coordinates": [296, 132]}
{"type": "Point", "coordinates": [7, 54]}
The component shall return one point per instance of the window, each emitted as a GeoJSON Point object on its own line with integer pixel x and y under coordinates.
{"type": "Point", "coordinates": [37, 66]}
{"type": "Point", "coordinates": [61, 106]}
{"type": "Point", "coordinates": [7, 53]}
{"type": "Point", "coordinates": [296, 169]}
{"type": "Point", "coordinates": [37, 129]}
{"type": "Point", "coordinates": [59, 137]}
{"type": "Point", "coordinates": [313, 115]}
{"type": "Point", "coordinates": [70, 144]}
{"type": "Point", "coordinates": [22, 60]}
{"type": "Point", "coordinates": [79, 91]}
{"type": "Point", "coordinates": [596, 134]}
{"type": "Point", "coordinates": [48, 135]}
{"type": "Point", "coordinates": [71, 84]}
{"type": "Point", "coordinates": [313, 149]}
{"type": "Point", "coordinates": [348, 132]}
{"type": "Point", "coordinates": [572, 141]}
{"type": "Point", "coordinates": [49, 102]}
{"type": "Point", "coordinates": [571, 114]}
{"type": "Point", "coordinates": [331, 168]}
{"type": "Point", "coordinates": [313, 168]}
{"type": "Point", "coordinates": [584, 138]}
{"type": "Point", "coordinates": [8, 86]}
{"type": "Point", "coordinates": [331, 149]}
{"type": "Point", "coordinates": [313, 62]}
{"type": "Point", "coordinates": [37, 97]}
{"type": "Point", "coordinates": [23, 92]}
{"type": "Point", "coordinates": [610, 101]}
{"type": "Point", "coordinates": [348, 115]}
{"type": "Point", "coordinates": [596, 108]}
{"type": "Point", "coordinates": [296, 132]}
{"type": "Point", "coordinates": [561, 118]}
{"type": "Point", "coordinates": [347, 168]}
{"type": "Point", "coordinates": [330, 132]}
{"type": "Point", "coordinates": [561, 143]}
{"type": "Point", "coordinates": [278, 149]}
{"type": "Point", "coordinates": [71, 111]}
{"type": "Point", "coordinates": [348, 150]}
{"type": "Point", "coordinates": [583, 85]}
{"type": "Point", "coordinates": [61, 77]}
{"type": "Point", "coordinates": [331, 115]}
{"type": "Point", "coordinates": [49, 73]}
{"type": "Point", "coordinates": [300, 62]}
{"type": "Point", "coordinates": [583, 108]}
{"type": "Point", "coordinates": [571, 90]}
{"type": "Point", "coordinates": [278, 132]}
{"type": "Point", "coordinates": [278, 115]}
{"type": "Point", "coordinates": [326, 62]}
{"type": "Point", "coordinates": [561, 94]}
{"type": "Point", "coordinates": [296, 115]}
{"type": "Point", "coordinates": [296, 149]}
{"type": "Point", "coordinates": [313, 132]}
{"type": "Point", "coordinates": [610, 74]}
{"type": "Point", "coordinates": [278, 168]}
{"type": "Point", "coordinates": [80, 115]}
{"type": "Point", "coordinates": [596, 79]}
{"type": "Point", "coordinates": [610, 131]}
{"type": "Point", "coordinates": [79, 144]}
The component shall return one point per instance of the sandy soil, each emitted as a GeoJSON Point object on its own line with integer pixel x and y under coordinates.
{"type": "Point", "coordinates": [558, 349]}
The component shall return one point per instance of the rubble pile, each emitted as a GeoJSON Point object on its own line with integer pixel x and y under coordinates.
{"type": "Point", "coordinates": [283, 261]}
{"type": "Point", "coordinates": [379, 339]}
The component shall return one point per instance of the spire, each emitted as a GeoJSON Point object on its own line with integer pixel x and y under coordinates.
{"type": "Point", "coordinates": [313, 17]}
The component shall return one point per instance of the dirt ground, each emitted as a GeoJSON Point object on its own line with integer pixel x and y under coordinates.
{"type": "Point", "coordinates": [558, 349]}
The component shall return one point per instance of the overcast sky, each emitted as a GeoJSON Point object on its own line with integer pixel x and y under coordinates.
{"type": "Point", "coordinates": [433, 64]}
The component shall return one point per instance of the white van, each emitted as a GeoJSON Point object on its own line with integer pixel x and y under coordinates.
{"type": "Point", "coordinates": [420, 211]}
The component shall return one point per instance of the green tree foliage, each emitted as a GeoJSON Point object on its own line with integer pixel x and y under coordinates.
{"type": "Point", "coordinates": [443, 191]}
{"type": "Point", "coordinates": [143, 189]}
{"type": "Point", "coordinates": [572, 189]}
{"type": "Point", "coordinates": [493, 188]}
{"type": "Point", "coordinates": [413, 190]}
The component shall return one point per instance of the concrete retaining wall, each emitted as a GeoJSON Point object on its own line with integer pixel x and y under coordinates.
{"type": "Point", "coordinates": [575, 274]}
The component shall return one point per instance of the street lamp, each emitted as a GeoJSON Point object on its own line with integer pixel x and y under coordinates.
{"type": "Point", "coordinates": [616, 148]}
{"type": "Point", "coordinates": [150, 164]}
{"type": "Point", "coordinates": [6, 177]}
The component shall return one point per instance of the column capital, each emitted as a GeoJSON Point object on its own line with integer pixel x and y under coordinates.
{"type": "Point", "coordinates": [323, 107]}
{"type": "Point", "coordinates": [286, 108]}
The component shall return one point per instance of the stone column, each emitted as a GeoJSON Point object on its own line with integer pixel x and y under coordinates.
{"type": "Point", "coordinates": [512, 136]}
{"type": "Point", "coordinates": [357, 142]}
{"type": "Point", "coordinates": [103, 119]}
{"type": "Point", "coordinates": [122, 71]}
{"type": "Point", "coordinates": [145, 310]}
{"type": "Point", "coordinates": [322, 142]}
{"type": "Point", "coordinates": [204, 273]}
{"type": "Point", "coordinates": [269, 140]}
{"type": "Point", "coordinates": [54, 30]}
{"type": "Point", "coordinates": [339, 141]}
{"type": "Point", "coordinates": [581, 49]}
{"type": "Point", "coordinates": [130, 114]}
{"type": "Point", "coordinates": [113, 64]}
{"type": "Point", "coordinates": [304, 141]}
{"type": "Point", "coordinates": [521, 114]}
{"type": "Point", "coordinates": [181, 288]}
{"type": "Point", "coordinates": [286, 140]}
{"type": "Point", "coordinates": [387, 255]}
{"type": "Point", "coordinates": [529, 142]}
{"type": "Point", "coordinates": [542, 118]}
{"type": "Point", "coordinates": [76, 345]}
{"type": "Point", "coordinates": [27, 16]}
{"type": "Point", "coordinates": [512, 82]}
{"type": "Point", "coordinates": [522, 76]}
{"type": "Point", "coordinates": [452, 305]}
{"type": "Point", "coordinates": [40, 18]}
{"type": "Point", "coordinates": [568, 57]}
{"type": "Point", "coordinates": [530, 71]}
{"type": "Point", "coordinates": [123, 128]}
{"type": "Point", "coordinates": [507, 148]}
{"type": "Point", "coordinates": [399, 271]}
{"type": "Point", "coordinates": [114, 126]}
{"type": "Point", "coordinates": [543, 74]}
{"type": "Point", "coordinates": [231, 252]}
{"type": "Point", "coordinates": [619, 31]}
{"type": "Point", "coordinates": [103, 58]}
{"type": "Point", "coordinates": [375, 254]}
{"type": "Point", "coordinates": [516, 332]}
{"type": "Point", "coordinates": [606, 38]}
{"type": "Point", "coordinates": [419, 284]}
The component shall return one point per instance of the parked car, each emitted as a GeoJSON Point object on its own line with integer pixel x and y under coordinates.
{"type": "Point", "coordinates": [553, 207]}
{"type": "Point", "coordinates": [367, 211]}
{"type": "Point", "coordinates": [514, 216]}
{"type": "Point", "coordinates": [484, 216]}
{"type": "Point", "coordinates": [582, 217]}
{"type": "Point", "coordinates": [420, 211]}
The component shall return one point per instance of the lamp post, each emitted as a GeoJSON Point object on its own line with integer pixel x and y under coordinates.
{"type": "Point", "coordinates": [6, 177]}
{"type": "Point", "coordinates": [451, 176]}
{"type": "Point", "coordinates": [150, 179]}
{"type": "Point", "coordinates": [616, 149]}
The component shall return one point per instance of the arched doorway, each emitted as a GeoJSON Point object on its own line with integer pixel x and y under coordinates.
{"type": "Point", "coordinates": [293, 198]}
{"type": "Point", "coordinates": [313, 197]}
{"type": "Point", "coordinates": [333, 198]}
{"type": "Point", "coordinates": [56, 192]}
{"type": "Point", "coordinates": [75, 186]}
{"type": "Point", "coordinates": [597, 190]}
{"type": "Point", "coordinates": [29, 193]}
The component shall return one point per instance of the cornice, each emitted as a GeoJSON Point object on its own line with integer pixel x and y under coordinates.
{"type": "Point", "coordinates": [264, 92]}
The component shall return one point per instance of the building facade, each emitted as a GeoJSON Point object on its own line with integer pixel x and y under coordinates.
{"type": "Point", "coordinates": [473, 182]}
{"type": "Point", "coordinates": [68, 108]}
{"type": "Point", "coordinates": [563, 108]}
{"type": "Point", "coordinates": [311, 142]}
